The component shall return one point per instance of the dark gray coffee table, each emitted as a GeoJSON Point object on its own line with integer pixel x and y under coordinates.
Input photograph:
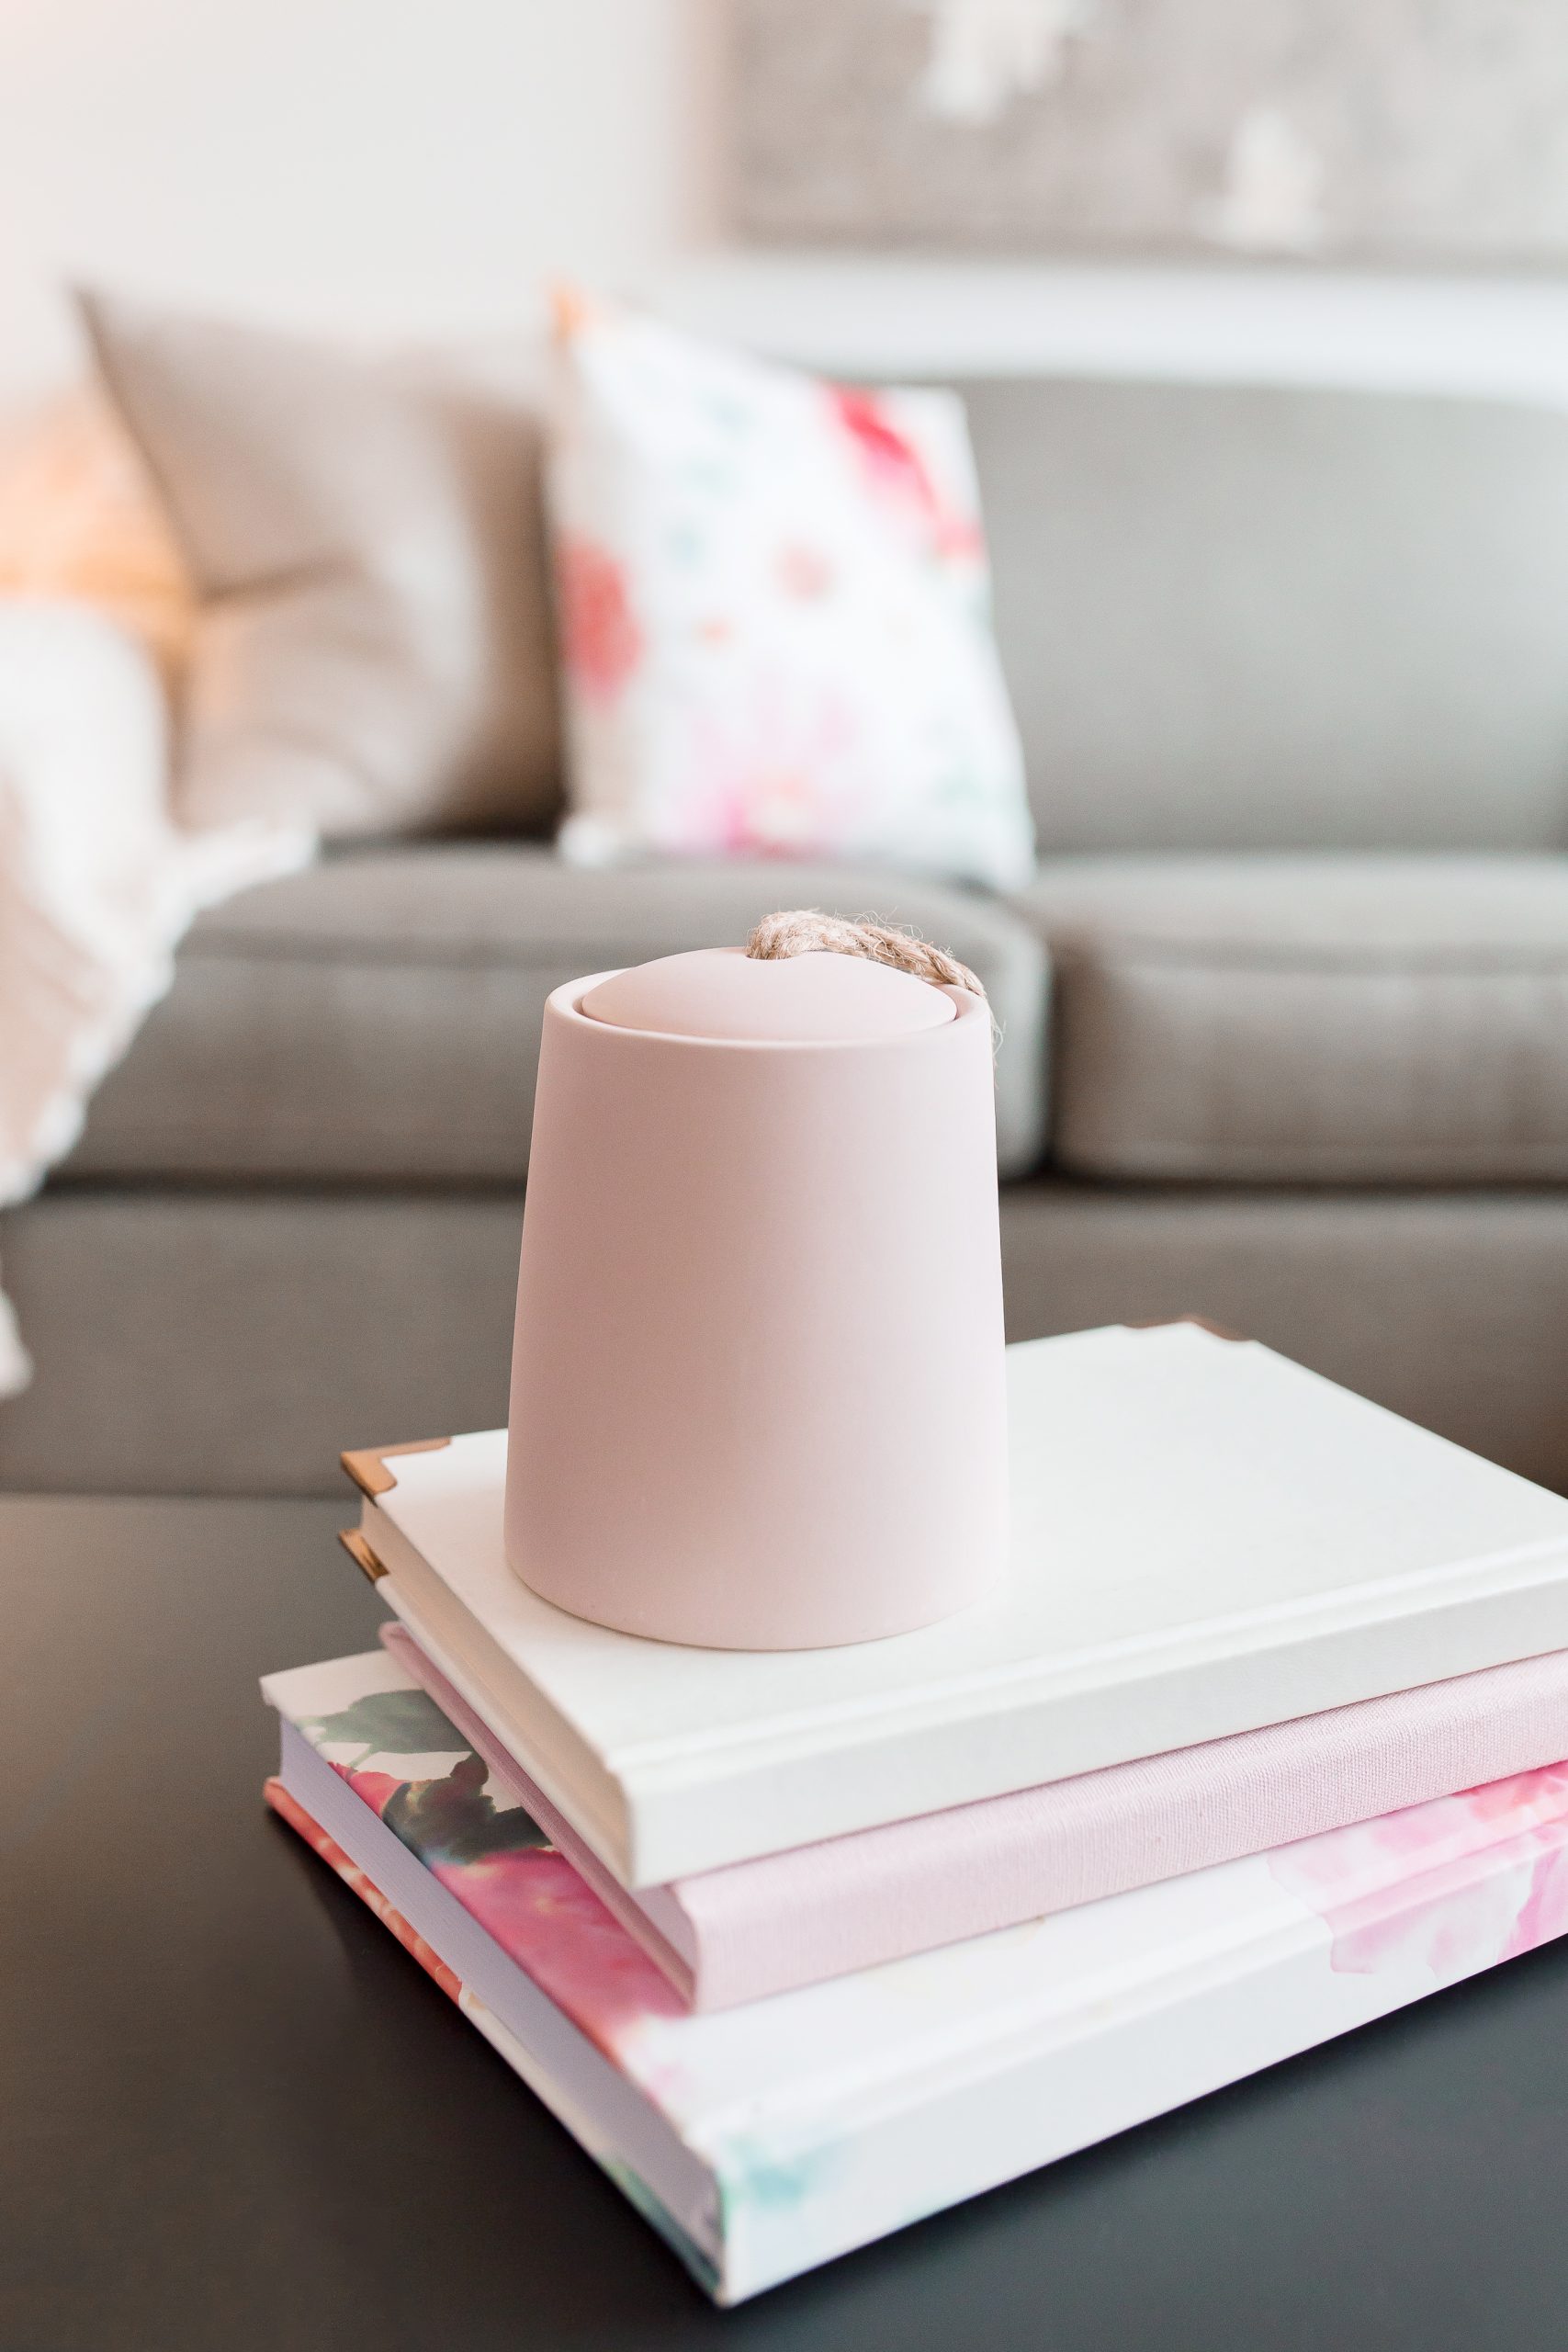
{"type": "Point", "coordinates": [234, 2115]}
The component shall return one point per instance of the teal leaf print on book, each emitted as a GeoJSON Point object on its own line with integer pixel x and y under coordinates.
{"type": "Point", "coordinates": [453, 1821]}
{"type": "Point", "coordinates": [447, 1820]}
{"type": "Point", "coordinates": [387, 1723]}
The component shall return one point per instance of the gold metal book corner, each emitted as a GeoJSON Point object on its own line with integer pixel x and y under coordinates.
{"type": "Point", "coordinates": [366, 1465]}
{"type": "Point", "coordinates": [359, 1551]}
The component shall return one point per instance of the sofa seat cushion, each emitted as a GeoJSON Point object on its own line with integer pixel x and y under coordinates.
{"type": "Point", "coordinates": [376, 1018]}
{"type": "Point", "coordinates": [1349, 1019]}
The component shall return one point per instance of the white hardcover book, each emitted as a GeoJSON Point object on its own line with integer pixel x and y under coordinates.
{"type": "Point", "coordinates": [1206, 1538]}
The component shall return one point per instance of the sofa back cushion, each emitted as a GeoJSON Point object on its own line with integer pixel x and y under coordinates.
{"type": "Point", "coordinates": [1262, 618]}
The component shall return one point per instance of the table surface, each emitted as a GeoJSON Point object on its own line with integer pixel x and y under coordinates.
{"type": "Point", "coordinates": [234, 2114]}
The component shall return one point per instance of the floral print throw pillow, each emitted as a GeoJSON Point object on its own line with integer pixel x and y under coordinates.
{"type": "Point", "coordinates": [774, 614]}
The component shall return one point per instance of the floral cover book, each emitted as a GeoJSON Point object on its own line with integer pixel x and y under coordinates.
{"type": "Point", "coordinates": [834, 2114]}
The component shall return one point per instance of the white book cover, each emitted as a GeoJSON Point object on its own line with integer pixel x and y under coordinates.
{"type": "Point", "coordinates": [1207, 1538]}
{"type": "Point", "coordinates": [765, 2140]}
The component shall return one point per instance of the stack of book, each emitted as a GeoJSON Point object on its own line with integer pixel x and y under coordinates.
{"type": "Point", "coordinates": [1262, 1741]}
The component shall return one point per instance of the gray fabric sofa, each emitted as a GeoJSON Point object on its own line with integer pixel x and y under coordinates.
{"type": "Point", "coordinates": [1284, 1015]}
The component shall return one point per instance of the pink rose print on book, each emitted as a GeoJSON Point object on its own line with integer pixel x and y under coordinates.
{"type": "Point", "coordinates": [599, 636]}
{"type": "Point", "coordinates": [551, 1922]}
{"type": "Point", "coordinates": [1432, 1886]}
{"type": "Point", "coordinates": [498, 1863]}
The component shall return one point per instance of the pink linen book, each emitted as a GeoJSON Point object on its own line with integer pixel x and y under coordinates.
{"type": "Point", "coordinates": [727, 1935]}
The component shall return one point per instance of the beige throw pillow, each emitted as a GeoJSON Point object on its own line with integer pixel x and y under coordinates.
{"type": "Point", "coordinates": [372, 652]}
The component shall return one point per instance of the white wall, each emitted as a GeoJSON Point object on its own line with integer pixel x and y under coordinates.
{"type": "Point", "coordinates": [375, 167]}
{"type": "Point", "coordinates": [413, 168]}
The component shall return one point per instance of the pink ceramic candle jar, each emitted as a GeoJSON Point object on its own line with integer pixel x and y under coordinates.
{"type": "Point", "coordinates": [757, 1386]}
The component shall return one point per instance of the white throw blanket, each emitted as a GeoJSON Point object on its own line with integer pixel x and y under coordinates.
{"type": "Point", "coordinates": [96, 884]}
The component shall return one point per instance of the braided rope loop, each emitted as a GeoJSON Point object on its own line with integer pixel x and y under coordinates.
{"type": "Point", "coordinates": [803, 930]}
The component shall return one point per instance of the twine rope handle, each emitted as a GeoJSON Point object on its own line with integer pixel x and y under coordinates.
{"type": "Point", "coordinates": [803, 930]}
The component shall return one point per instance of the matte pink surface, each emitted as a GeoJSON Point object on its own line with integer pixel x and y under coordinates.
{"type": "Point", "coordinates": [758, 1394]}
{"type": "Point", "coordinates": [797, 999]}
{"type": "Point", "coordinates": [821, 1911]}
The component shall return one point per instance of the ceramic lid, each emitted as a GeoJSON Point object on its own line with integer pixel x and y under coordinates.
{"type": "Point", "coordinates": [817, 999]}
